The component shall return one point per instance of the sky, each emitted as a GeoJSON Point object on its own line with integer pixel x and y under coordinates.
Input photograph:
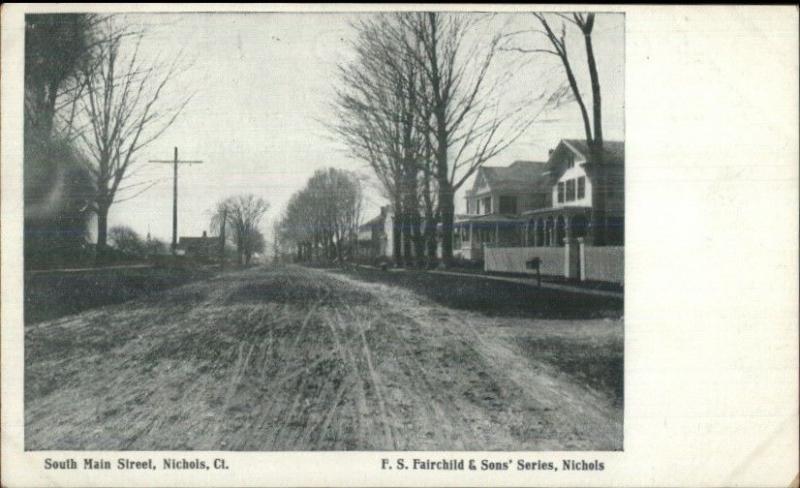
{"type": "Point", "coordinates": [263, 84]}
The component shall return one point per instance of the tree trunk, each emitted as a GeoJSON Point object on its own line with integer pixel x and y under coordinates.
{"type": "Point", "coordinates": [101, 249]}
{"type": "Point", "coordinates": [596, 143]}
{"type": "Point", "coordinates": [447, 209]}
{"type": "Point", "coordinates": [412, 238]}
{"type": "Point", "coordinates": [430, 237]}
{"type": "Point", "coordinates": [593, 76]}
{"type": "Point", "coordinates": [240, 251]}
{"type": "Point", "coordinates": [429, 229]}
{"type": "Point", "coordinates": [416, 232]}
{"type": "Point", "coordinates": [406, 238]}
{"type": "Point", "coordinates": [599, 224]}
{"type": "Point", "coordinates": [339, 249]}
{"type": "Point", "coordinates": [414, 244]}
{"type": "Point", "coordinates": [396, 235]}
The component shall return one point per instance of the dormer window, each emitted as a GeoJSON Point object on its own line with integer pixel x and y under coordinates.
{"type": "Point", "coordinates": [570, 160]}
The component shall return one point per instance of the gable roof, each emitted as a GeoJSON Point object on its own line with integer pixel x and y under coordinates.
{"type": "Point", "coordinates": [374, 222]}
{"type": "Point", "coordinates": [613, 151]}
{"type": "Point", "coordinates": [520, 176]}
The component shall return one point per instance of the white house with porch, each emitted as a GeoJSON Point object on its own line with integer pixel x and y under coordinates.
{"type": "Point", "coordinates": [570, 236]}
{"type": "Point", "coordinates": [575, 184]}
{"type": "Point", "coordinates": [499, 195]}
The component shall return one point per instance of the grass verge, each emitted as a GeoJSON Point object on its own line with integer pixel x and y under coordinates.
{"type": "Point", "coordinates": [53, 294]}
{"type": "Point", "coordinates": [495, 298]}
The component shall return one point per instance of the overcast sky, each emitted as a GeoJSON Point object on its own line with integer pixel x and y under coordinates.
{"type": "Point", "coordinates": [264, 83]}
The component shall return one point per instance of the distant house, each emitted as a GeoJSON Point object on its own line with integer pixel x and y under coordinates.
{"type": "Point", "coordinates": [372, 236]}
{"type": "Point", "coordinates": [499, 195]}
{"type": "Point", "coordinates": [573, 193]}
{"type": "Point", "coordinates": [203, 248]}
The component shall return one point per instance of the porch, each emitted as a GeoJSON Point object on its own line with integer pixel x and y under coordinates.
{"type": "Point", "coordinates": [472, 234]}
{"type": "Point", "coordinates": [551, 226]}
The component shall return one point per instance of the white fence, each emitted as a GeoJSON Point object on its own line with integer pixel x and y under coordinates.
{"type": "Point", "coordinates": [513, 259]}
{"type": "Point", "coordinates": [604, 263]}
{"type": "Point", "coordinates": [587, 263]}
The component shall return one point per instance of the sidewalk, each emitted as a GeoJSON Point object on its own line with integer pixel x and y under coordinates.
{"type": "Point", "coordinates": [520, 280]}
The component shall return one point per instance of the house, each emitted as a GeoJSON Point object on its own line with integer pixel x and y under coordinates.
{"type": "Point", "coordinates": [379, 234]}
{"type": "Point", "coordinates": [499, 195]}
{"type": "Point", "coordinates": [575, 185]}
{"type": "Point", "coordinates": [372, 236]}
{"type": "Point", "coordinates": [203, 248]}
{"type": "Point", "coordinates": [571, 236]}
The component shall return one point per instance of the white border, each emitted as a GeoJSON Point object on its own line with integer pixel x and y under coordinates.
{"type": "Point", "coordinates": [711, 328]}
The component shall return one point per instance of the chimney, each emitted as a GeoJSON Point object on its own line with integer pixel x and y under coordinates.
{"type": "Point", "coordinates": [204, 233]}
{"type": "Point", "coordinates": [550, 153]}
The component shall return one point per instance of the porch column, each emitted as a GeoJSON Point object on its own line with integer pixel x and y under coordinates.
{"type": "Point", "coordinates": [571, 259]}
{"type": "Point", "coordinates": [525, 229]}
{"type": "Point", "coordinates": [497, 235]}
{"type": "Point", "coordinates": [590, 230]}
{"type": "Point", "coordinates": [567, 229]}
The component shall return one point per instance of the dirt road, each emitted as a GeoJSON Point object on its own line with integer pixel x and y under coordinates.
{"type": "Point", "coordinates": [297, 359]}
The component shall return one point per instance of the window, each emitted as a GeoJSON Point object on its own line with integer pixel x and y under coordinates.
{"type": "Point", "coordinates": [508, 205]}
{"type": "Point", "coordinates": [581, 187]}
{"type": "Point", "coordinates": [487, 205]}
{"type": "Point", "coordinates": [570, 190]}
{"type": "Point", "coordinates": [570, 160]}
{"type": "Point", "coordinates": [469, 207]}
{"type": "Point", "coordinates": [561, 192]}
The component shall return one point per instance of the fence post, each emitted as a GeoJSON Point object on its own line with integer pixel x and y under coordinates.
{"type": "Point", "coordinates": [571, 258]}
{"type": "Point", "coordinates": [582, 258]}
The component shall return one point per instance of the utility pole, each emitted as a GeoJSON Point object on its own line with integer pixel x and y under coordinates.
{"type": "Point", "coordinates": [222, 236]}
{"type": "Point", "coordinates": [175, 162]}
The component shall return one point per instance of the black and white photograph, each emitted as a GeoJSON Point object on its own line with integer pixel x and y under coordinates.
{"type": "Point", "coordinates": [289, 232]}
{"type": "Point", "coordinates": [451, 245]}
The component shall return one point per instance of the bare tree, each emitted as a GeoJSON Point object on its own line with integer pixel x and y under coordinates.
{"type": "Point", "coordinates": [593, 127]}
{"type": "Point", "coordinates": [241, 215]}
{"type": "Point", "coordinates": [127, 240]}
{"type": "Point", "coordinates": [459, 101]}
{"type": "Point", "coordinates": [428, 193]}
{"type": "Point", "coordinates": [377, 117]}
{"type": "Point", "coordinates": [123, 109]}
{"type": "Point", "coordinates": [322, 219]}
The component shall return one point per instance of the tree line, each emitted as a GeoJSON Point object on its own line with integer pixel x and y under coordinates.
{"type": "Point", "coordinates": [321, 220]}
{"type": "Point", "coordinates": [422, 102]}
{"type": "Point", "coordinates": [236, 219]}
